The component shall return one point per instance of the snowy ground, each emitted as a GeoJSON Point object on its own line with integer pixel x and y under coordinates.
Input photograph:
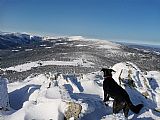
{"type": "Point", "coordinates": [46, 96]}
{"type": "Point", "coordinates": [30, 65]}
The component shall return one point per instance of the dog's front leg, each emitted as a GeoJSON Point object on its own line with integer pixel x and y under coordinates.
{"type": "Point", "coordinates": [106, 96]}
{"type": "Point", "coordinates": [126, 110]}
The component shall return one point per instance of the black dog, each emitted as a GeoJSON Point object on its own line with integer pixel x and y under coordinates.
{"type": "Point", "coordinates": [120, 96]}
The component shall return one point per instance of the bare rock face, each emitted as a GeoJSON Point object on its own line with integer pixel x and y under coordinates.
{"type": "Point", "coordinates": [4, 99]}
{"type": "Point", "coordinates": [73, 111]}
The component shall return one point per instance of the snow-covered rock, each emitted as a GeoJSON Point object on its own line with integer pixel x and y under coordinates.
{"type": "Point", "coordinates": [4, 99]}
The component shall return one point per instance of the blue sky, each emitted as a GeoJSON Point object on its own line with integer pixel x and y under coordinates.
{"type": "Point", "coordinates": [136, 21]}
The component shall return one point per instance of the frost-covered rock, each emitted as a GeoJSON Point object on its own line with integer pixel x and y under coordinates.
{"type": "Point", "coordinates": [4, 99]}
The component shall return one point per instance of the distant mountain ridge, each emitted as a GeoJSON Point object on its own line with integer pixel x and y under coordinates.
{"type": "Point", "coordinates": [143, 47]}
{"type": "Point", "coordinates": [11, 40]}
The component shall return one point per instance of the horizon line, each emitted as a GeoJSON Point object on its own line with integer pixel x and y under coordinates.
{"type": "Point", "coordinates": [125, 41]}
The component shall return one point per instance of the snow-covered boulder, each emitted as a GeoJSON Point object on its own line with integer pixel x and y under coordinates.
{"type": "Point", "coordinates": [4, 99]}
{"type": "Point", "coordinates": [146, 84]}
{"type": "Point", "coordinates": [127, 71]}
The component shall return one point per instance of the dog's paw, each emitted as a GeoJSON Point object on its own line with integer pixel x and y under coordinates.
{"type": "Point", "coordinates": [106, 104]}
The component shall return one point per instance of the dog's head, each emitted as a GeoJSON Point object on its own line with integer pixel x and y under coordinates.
{"type": "Point", "coordinates": [107, 72]}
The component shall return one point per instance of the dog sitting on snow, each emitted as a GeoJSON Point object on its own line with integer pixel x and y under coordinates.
{"type": "Point", "coordinates": [120, 96]}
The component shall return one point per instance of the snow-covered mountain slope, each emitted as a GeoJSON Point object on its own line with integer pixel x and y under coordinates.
{"type": "Point", "coordinates": [146, 48]}
{"type": "Point", "coordinates": [12, 40]}
{"type": "Point", "coordinates": [58, 53]}
{"type": "Point", "coordinates": [48, 96]}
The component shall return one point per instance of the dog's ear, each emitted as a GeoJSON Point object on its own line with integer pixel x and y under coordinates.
{"type": "Point", "coordinates": [113, 70]}
{"type": "Point", "coordinates": [102, 69]}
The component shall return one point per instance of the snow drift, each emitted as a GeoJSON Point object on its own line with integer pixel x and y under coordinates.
{"type": "Point", "coordinates": [48, 96]}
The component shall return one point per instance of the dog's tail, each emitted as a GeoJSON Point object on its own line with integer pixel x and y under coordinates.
{"type": "Point", "coordinates": [136, 109]}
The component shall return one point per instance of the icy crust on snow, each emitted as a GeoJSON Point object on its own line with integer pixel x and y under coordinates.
{"type": "Point", "coordinates": [47, 96]}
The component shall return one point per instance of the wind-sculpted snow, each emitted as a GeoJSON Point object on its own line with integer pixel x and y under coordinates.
{"type": "Point", "coordinates": [47, 96]}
